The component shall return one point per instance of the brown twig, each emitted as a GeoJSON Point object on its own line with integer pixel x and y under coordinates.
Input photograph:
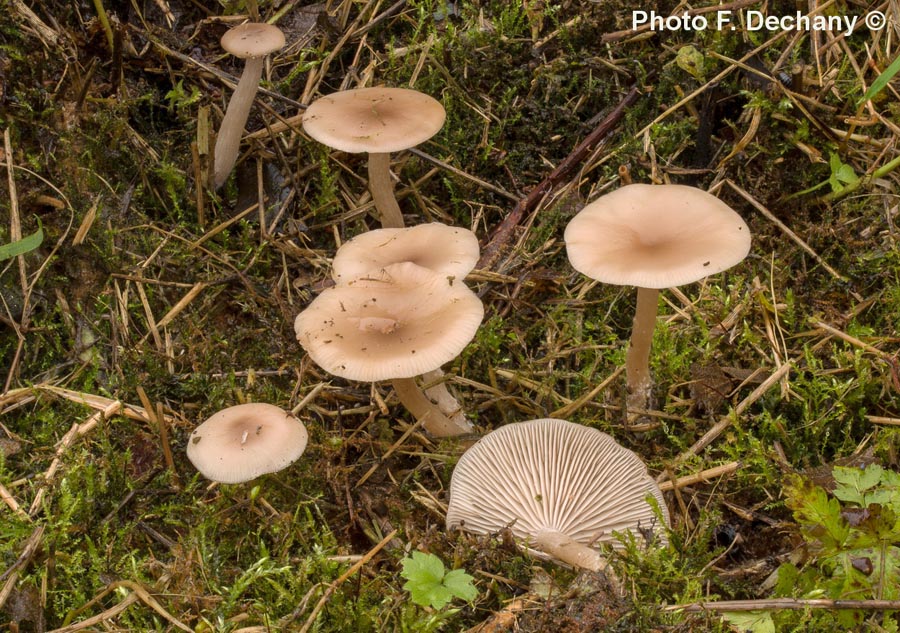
{"type": "Point", "coordinates": [793, 604]}
{"type": "Point", "coordinates": [490, 253]}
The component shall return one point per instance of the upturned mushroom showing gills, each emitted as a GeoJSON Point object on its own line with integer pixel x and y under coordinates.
{"type": "Point", "coordinates": [378, 121]}
{"type": "Point", "coordinates": [251, 41]}
{"type": "Point", "coordinates": [653, 237]}
{"type": "Point", "coordinates": [245, 441]}
{"type": "Point", "coordinates": [393, 324]}
{"type": "Point", "coordinates": [559, 486]}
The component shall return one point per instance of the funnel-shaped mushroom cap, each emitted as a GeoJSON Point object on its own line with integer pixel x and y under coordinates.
{"type": "Point", "coordinates": [656, 236]}
{"type": "Point", "coordinates": [447, 250]}
{"type": "Point", "coordinates": [553, 475]}
{"type": "Point", "coordinates": [241, 443]}
{"type": "Point", "coordinates": [378, 120]}
{"type": "Point", "coordinates": [397, 322]}
{"type": "Point", "coordinates": [253, 39]}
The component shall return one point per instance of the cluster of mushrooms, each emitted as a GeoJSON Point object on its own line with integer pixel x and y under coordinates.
{"type": "Point", "coordinates": [399, 310]}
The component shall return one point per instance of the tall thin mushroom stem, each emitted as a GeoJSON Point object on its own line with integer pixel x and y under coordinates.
{"type": "Point", "coordinates": [382, 190]}
{"type": "Point", "coordinates": [229, 138]}
{"type": "Point", "coordinates": [637, 359]}
{"type": "Point", "coordinates": [433, 420]}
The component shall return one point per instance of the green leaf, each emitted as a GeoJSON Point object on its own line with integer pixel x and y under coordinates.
{"type": "Point", "coordinates": [754, 621]}
{"type": "Point", "coordinates": [841, 173]}
{"type": "Point", "coordinates": [26, 244]}
{"type": "Point", "coordinates": [461, 584]}
{"type": "Point", "coordinates": [881, 81]}
{"type": "Point", "coordinates": [852, 483]}
{"type": "Point", "coordinates": [429, 584]}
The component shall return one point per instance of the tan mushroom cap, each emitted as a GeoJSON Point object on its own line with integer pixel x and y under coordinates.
{"type": "Point", "coordinates": [253, 39]}
{"type": "Point", "coordinates": [378, 120]}
{"type": "Point", "coordinates": [397, 322]}
{"type": "Point", "coordinates": [656, 236]}
{"type": "Point", "coordinates": [245, 441]}
{"type": "Point", "coordinates": [550, 474]}
{"type": "Point", "coordinates": [447, 250]}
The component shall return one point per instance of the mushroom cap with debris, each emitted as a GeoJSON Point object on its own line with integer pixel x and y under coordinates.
{"type": "Point", "coordinates": [377, 120]}
{"type": "Point", "coordinates": [252, 40]}
{"type": "Point", "coordinates": [400, 321]}
{"type": "Point", "coordinates": [451, 251]}
{"type": "Point", "coordinates": [656, 236]}
{"type": "Point", "coordinates": [245, 441]}
{"type": "Point", "coordinates": [549, 474]}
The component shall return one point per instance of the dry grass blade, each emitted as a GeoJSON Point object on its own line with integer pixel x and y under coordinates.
{"type": "Point", "coordinates": [719, 427]}
{"type": "Point", "coordinates": [785, 228]}
{"type": "Point", "coordinates": [333, 586]}
{"type": "Point", "coordinates": [702, 477]}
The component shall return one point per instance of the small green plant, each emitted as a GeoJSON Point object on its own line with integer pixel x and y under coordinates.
{"type": "Point", "coordinates": [852, 536]}
{"type": "Point", "coordinates": [431, 585]}
{"type": "Point", "coordinates": [841, 176]}
{"type": "Point", "coordinates": [24, 245]}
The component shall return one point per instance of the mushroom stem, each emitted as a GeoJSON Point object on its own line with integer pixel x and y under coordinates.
{"type": "Point", "coordinates": [441, 396]}
{"type": "Point", "coordinates": [637, 359]}
{"type": "Point", "coordinates": [229, 138]}
{"type": "Point", "coordinates": [562, 547]}
{"type": "Point", "coordinates": [382, 190]}
{"type": "Point", "coordinates": [433, 421]}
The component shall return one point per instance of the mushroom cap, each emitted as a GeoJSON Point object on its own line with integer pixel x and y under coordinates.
{"type": "Point", "coordinates": [396, 322]}
{"type": "Point", "coordinates": [245, 441]}
{"type": "Point", "coordinates": [447, 250]}
{"type": "Point", "coordinates": [253, 39]}
{"type": "Point", "coordinates": [550, 474]}
{"type": "Point", "coordinates": [377, 120]}
{"type": "Point", "coordinates": [656, 236]}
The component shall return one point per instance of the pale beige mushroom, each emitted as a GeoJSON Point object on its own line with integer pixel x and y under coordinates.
{"type": "Point", "coordinates": [245, 441]}
{"type": "Point", "coordinates": [393, 324]}
{"type": "Point", "coordinates": [447, 250]}
{"type": "Point", "coordinates": [653, 237]}
{"type": "Point", "coordinates": [379, 121]}
{"type": "Point", "coordinates": [558, 486]}
{"type": "Point", "coordinates": [251, 41]}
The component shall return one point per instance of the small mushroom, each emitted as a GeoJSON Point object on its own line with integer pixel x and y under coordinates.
{"type": "Point", "coordinates": [653, 237]}
{"type": "Point", "coordinates": [451, 251]}
{"type": "Point", "coordinates": [376, 120]}
{"type": "Point", "coordinates": [251, 41]}
{"type": "Point", "coordinates": [394, 324]}
{"type": "Point", "coordinates": [245, 441]}
{"type": "Point", "coordinates": [558, 486]}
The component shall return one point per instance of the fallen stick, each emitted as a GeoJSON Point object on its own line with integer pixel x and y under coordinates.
{"type": "Point", "coordinates": [793, 604]}
{"type": "Point", "coordinates": [490, 253]}
{"type": "Point", "coordinates": [702, 477]}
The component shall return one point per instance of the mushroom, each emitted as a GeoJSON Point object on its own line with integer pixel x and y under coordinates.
{"type": "Point", "coordinates": [251, 41]}
{"type": "Point", "coordinates": [556, 485]}
{"type": "Point", "coordinates": [653, 237]}
{"type": "Point", "coordinates": [378, 121]}
{"type": "Point", "coordinates": [448, 250]}
{"type": "Point", "coordinates": [245, 441]}
{"type": "Point", "coordinates": [393, 324]}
